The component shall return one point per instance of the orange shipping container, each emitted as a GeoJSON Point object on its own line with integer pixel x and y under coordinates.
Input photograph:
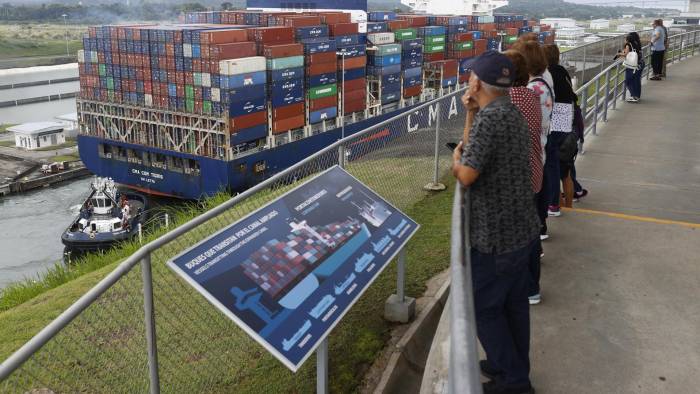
{"type": "Point", "coordinates": [282, 125]}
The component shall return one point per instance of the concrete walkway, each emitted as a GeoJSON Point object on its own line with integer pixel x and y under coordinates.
{"type": "Point", "coordinates": [621, 272]}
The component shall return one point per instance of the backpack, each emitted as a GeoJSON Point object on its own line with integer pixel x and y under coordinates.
{"type": "Point", "coordinates": [631, 60]}
{"type": "Point", "coordinates": [568, 148]}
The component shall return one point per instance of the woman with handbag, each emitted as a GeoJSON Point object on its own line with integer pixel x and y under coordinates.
{"type": "Point", "coordinates": [562, 142]}
{"type": "Point", "coordinates": [633, 72]}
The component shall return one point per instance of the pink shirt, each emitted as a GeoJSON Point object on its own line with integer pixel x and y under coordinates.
{"type": "Point", "coordinates": [528, 104]}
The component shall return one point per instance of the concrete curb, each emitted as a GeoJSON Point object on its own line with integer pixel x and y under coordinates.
{"type": "Point", "coordinates": [404, 371]}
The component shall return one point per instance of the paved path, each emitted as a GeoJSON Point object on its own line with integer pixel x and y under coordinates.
{"type": "Point", "coordinates": [621, 272]}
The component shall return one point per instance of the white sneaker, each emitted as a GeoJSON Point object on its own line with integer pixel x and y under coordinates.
{"type": "Point", "coordinates": [543, 237]}
{"type": "Point", "coordinates": [535, 299]}
{"type": "Point", "coordinates": [632, 100]}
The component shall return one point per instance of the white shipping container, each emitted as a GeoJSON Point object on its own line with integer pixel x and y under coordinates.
{"type": "Point", "coordinates": [197, 79]}
{"type": "Point", "coordinates": [148, 99]}
{"type": "Point", "coordinates": [245, 65]}
{"type": "Point", "coordinates": [187, 50]}
{"type": "Point", "coordinates": [206, 80]}
{"type": "Point", "coordinates": [380, 38]}
{"type": "Point", "coordinates": [93, 56]}
{"type": "Point", "coordinates": [81, 56]}
{"type": "Point", "coordinates": [215, 95]}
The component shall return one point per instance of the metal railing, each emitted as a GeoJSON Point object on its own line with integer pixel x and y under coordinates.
{"type": "Point", "coordinates": [142, 328]}
{"type": "Point", "coordinates": [464, 375]}
{"type": "Point", "coordinates": [602, 91]}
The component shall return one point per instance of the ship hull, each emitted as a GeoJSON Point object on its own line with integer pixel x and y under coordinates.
{"type": "Point", "coordinates": [244, 172]}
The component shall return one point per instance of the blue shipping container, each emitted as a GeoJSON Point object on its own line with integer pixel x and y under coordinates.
{"type": "Point", "coordinates": [413, 43]}
{"type": "Point", "coordinates": [343, 41]}
{"type": "Point", "coordinates": [323, 114]}
{"type": "Point", "coordinates": [247, 106]}
{"type": "Point", "coordinates": [245, 93]}
{"type": "Point", "coordinates": [412, 72]}
{"type": "Point", "coordinates": [412, 81]}
{"type": "Point", "coordinates": [322, 79]}
{"type": "Point", "coordinates": [249, 134]}
{"type": "Point", "coordinates": [432, 31]}
{"type": "Point", "coordinates": [352, 73]}
{"type": "Point", "coordinates": [240, 80]}
{"type": "Point", "coordinates": [375, 70]}
{"type": "Point", "coordinates": [307, 32]}
{"type": "Point", "coordinates": [412, 62]}
{"type": "Point", "coordinates": [449, 82]}
{"type": "Point", "coordinates": [319, 45]}
{"type": "Point", "coordinates": [354, 50]}
{"type": "Point", "coordinates": [378, 16]}
{"type": "Point", "coordinates": [287, 73]}
{"type": "Point", "coordinates": [383, 61]}
{"type": "Point", "coordinates": [390, 97]}
{"type": "Point", "coordinates": [391, 79]}
{"type": "Point", "coordinates": [377, 27]}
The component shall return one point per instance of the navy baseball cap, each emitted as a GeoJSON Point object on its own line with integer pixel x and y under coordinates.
{"type": "Point", "coordinates": [492, 67]}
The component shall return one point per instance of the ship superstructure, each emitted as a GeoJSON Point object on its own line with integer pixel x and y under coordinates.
{"type": "Point", "coordinates": [229, 98]}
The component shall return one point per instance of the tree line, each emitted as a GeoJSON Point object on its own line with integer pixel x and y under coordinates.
{"type": "Point", "coordinates": [98, 13]}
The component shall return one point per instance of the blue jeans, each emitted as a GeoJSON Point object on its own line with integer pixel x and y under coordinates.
{"type": "Point", "coordinates": [552, 168]}
{"type": "Point", "coordinates": [633, 81]}
{"type": "Point", "coordinates": [501, 285]}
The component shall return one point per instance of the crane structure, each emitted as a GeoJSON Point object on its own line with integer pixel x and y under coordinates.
{"type": "Point", "coordinates": [455, 7]}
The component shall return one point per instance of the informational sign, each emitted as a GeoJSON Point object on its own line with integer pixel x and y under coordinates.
{"type": "Point", "coordinates": [288, 272]}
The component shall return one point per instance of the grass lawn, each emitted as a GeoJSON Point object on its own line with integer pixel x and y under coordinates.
{"type": "Point", "coordinates": [200, 350]}
{"type": "Point", "coordinates": [67, 144]}
{"type": "Point", "coordinates": [39, 39]}
{"type": "Point", "coordinates": [4, 126]}
{"type": "Point", "coordinates": [74, 157]}
{"type": "Point", "coordinates": [8, 143]}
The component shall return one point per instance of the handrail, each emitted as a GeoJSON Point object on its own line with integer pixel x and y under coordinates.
{"type": "Point", "coordinates": [464, 374]}
{"type": "Point", "coordinates": [42, 337]}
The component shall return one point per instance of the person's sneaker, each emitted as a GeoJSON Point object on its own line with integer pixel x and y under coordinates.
{"type": "Point", "coordinates": [535, 299]}
{"type": "Point", "coordinates": [579, 195]}
{"type": "Point", "coordinates": [493, 387]}
{"type": "Point", "coordinates": [554, 210]}
{"type": "Point", "coordinates": [488, 371]}
{"type": "Point", "coordinates": [632, 100]}
{"type": "Point", "coordinates": [655, 78]}
{"type": "Point", "coordinates": [541, 255]}
{"type": "Point", "coordinates": [543, 237]}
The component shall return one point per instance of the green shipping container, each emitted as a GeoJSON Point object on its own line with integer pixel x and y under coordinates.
{"type": "Point", "coordinates": [434, 48]}
{"type": "Point", "coordinates": [462, 46]}
{"type": "Point", "coordinates": [110, 83]}
{"type": "Point", "coordinates": [388, 49]}
{"type": "Point", "coordinates": [405, 34]}
{"type": "Point", "coordinates": [323, 91]}
{"type": "Point", "coordinates": [206, 107]}
{"type": "Point", "coordinates": [189, 105]}
{"type": "Point", "coordinates": [102, 70]}
{"type": "Point", "coordinates": [285, 62]}
{"type": "Point", "coordinates": [431, 40]}
{"type": "Point", "coordinates": [197, 78]}
{"type": "Point", "coordinates": [511, 39]}
{"type": "Point", "coordinates": [189, 92]}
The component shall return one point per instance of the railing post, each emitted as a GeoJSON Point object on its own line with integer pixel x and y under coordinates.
{"type": "Point", "coordinates": [398, 307]}
{"type": "Point", "coordinates": [584, 107]}
{"type": "Point", "coordinates": [401, 275]}
{"type": "Point", "coordinates": [602, 59]}
{"type": "Point", "coordinates": [607, 96]}
{"type": "Point", "coordinates": [596, 102]}
{"type": "Point", "coordinates": [617, 82]}
{"type": "Point", "coordinates": [150, 324]}
{"type": "Point", "coordinates": [322, 367]}
{"type": "Point", "coordinates": [435, 185]}
{"type": "Point", "coordinates": [583, 73]}
{"type": "Point", "coordinates": [341, 156]}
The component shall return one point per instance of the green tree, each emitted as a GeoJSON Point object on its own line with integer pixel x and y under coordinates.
{"type": "Point", "coordinates": [226, 6]}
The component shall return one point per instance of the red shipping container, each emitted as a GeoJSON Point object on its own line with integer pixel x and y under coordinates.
{"type": "Point", "coordinates": [222, 36]}
{"type": "Point", "coordinates": [480, 44]}
{"type": "Point", "coordinates": [412, 91]}
{"type": "Point", "coordinates": [246, 121]}
{"type": "Point", "coordinates": [462, 37]}
{"type": "Point", "coordinates": [342, 29]}
{"type": "Point", "coordinates": [332, 18]}
{"type": "Point", "coordinates": [354, 106]}
{"type": "Point", "coordinates": [463, 78]}
{"type": "Point", "coordinates": [284, 50]}
{"type": "Point", "coordinates": [323, 102]}
{"type": "Point", "coordinates": [287, 111]}
{"type": "Point", "coordinates": [398, 24]}
{"type": "Point", "coordinates": [415, 20]}
{"type": "Point", "coordinates": [234, 50]}
{"type": "Point", "coordinates": [271, 35]}
{"type": "Point", "coordinates": [433, 57]}
{"type": "Point", "coordinates": [282, 125]}
{"type": "Point", "coordinates": [324, 57]}
{"type": "Point", "coordinates": [352, 62]}
{"type": "Point", "coordinates": [355, 84]}
{"type": "Point", "coordinates": [301, 21]}
{"type": "Point", "coordinates": [321, 68]}
{"type": "Point", "coordinates": [353, 95]}
{"type": "Point", "coordinates": [460, 54]}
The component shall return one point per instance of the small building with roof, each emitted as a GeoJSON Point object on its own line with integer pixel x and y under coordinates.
{"type": "Point", "coordinates": [626, 27]}
{"type": "Point", "coordinates": [70, 124]}
{"type": "Point", "coordinates": [600, 24]}
{"type": "Point", "coordinates": [37, 135]}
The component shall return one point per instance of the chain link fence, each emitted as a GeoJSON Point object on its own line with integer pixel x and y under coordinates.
{"type": "Point", "coordinates": [101, 343]}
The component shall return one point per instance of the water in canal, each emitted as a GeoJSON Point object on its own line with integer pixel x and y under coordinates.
{"type": "Point", "coordinates": [31, 225]}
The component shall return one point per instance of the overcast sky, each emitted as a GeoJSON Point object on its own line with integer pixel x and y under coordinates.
{"type": "Point", "coordinates": [678, 4]}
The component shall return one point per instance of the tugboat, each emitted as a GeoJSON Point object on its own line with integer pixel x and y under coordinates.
{"type": "Point", "coordinates": [106, 217]}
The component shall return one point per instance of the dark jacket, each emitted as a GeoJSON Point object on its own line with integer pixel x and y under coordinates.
{"type": "Point", "coordinates": [563, 92]}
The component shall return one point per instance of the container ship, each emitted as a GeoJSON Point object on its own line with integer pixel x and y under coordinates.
{"type": "Point", "coordinates": [224, 99]}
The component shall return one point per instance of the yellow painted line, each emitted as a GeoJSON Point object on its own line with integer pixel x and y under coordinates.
{"type": "Point", "coordinates": [634, 217]}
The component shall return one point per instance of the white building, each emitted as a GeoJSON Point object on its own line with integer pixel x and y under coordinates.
{"type": "Point", "coordinates": [626, 27]}
{"type": "Point", "coordinates": [70, 124]}
{"type": "Point", "coordinates": [570, 36]}
{"type": "Point", "coordinates": [451, 7]}
{"type": "Point", "coordinates": [599, 24]}
{"type": "Point", "coordinates": [558, 23]}
{"type": "Point", "coordinates": [591, 38]}
{"type": "Point", "coordinates": [627, 16]}
{"type": "Point", "coordinates": [38, 135]}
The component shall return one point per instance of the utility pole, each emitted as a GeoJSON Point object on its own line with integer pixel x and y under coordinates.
{"type": "Point", "coordinates": [65, 25]}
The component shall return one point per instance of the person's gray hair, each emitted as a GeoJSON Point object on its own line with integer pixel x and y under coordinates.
{"type": "Point", "coordinates": [492, 89]}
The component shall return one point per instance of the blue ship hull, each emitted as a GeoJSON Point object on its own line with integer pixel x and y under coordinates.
{"type": "Point", "coordinates": [241, 173]}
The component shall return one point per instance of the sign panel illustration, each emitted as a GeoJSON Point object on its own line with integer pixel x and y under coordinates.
{"type": "Point", "coordinates": [289, 271]}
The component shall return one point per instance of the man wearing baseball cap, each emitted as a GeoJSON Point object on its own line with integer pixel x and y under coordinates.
{"type": "Point", "coordinates": [493, 161]}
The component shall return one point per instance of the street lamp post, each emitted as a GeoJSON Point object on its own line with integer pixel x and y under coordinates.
{"type": "Point", "coordinates": [65, 35]}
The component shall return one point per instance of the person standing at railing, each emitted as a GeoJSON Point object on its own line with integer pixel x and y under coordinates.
{"type": "Point", "coordinates": [658, 49]}
{"type": "Point", "coordinates": [529, 105]}
{"type": "Point", "coordinates": [493, 161]}
{"type": "Point", "coordinates": [633, 76]}
{"type": "Point", "coordinates": [663, 61]}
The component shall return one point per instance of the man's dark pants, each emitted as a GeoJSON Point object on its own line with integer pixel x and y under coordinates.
{"type": "Point", "coordinates": [657, 60]}
{"type": "Point", "coordinates": [501, 285]}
